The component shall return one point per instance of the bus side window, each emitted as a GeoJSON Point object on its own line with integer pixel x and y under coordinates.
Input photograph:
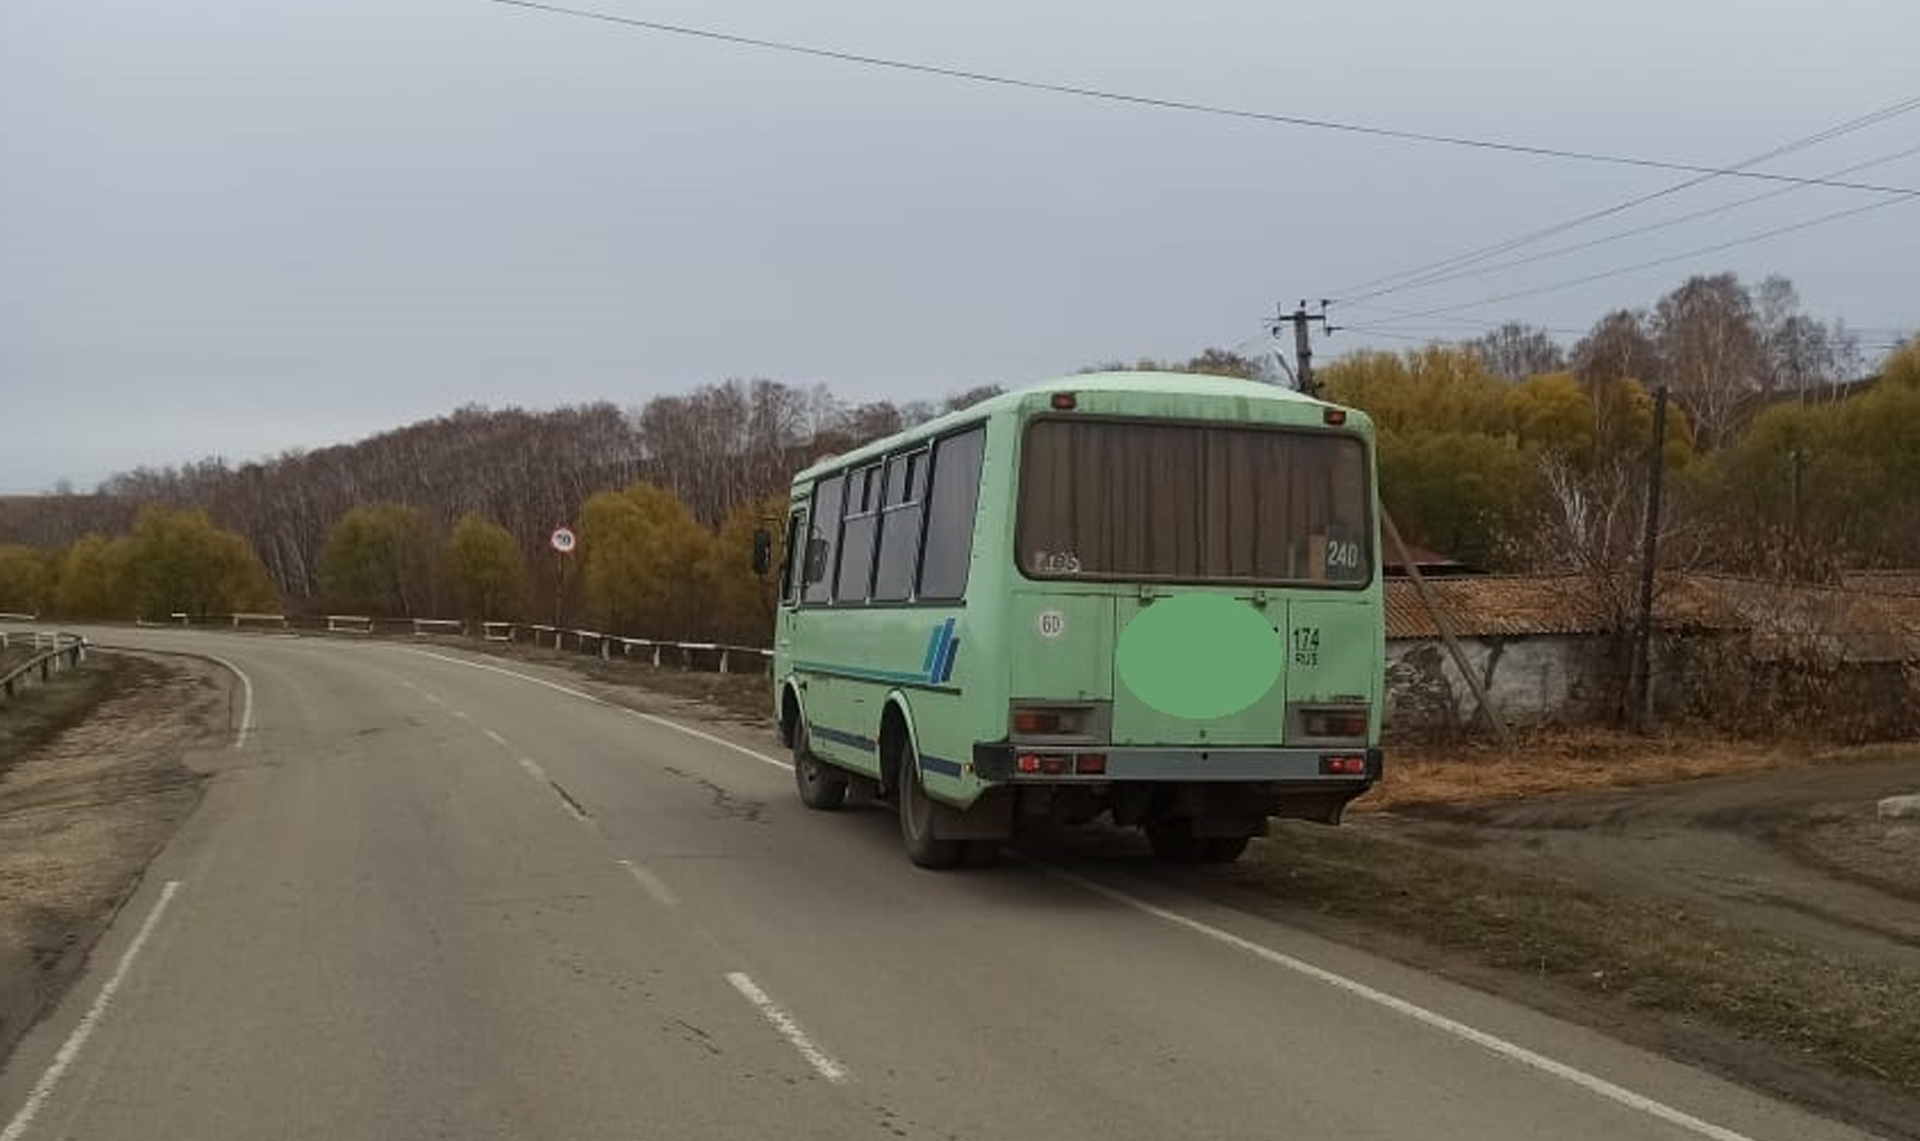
{"type": "Point", "coordinates": [952, 499]}
{"type": "Point", "coordinates": [856, 541]}
{"type": "Point", "coordinates": [793, 559]}
{"type": "Point", "coordinates": [900, 527]}
{"type": "Point", "coordinates": [824, 536]}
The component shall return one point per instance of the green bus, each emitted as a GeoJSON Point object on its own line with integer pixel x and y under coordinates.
{"type": "Point", "coordinates": [1149, 596]}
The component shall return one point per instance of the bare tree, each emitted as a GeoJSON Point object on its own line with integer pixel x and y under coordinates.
{"type": "Point", "coordinates": [967, 398]}
{"type": "Point", "coordinates": [1710, 342]}
{"type": "Point", "coordinates": [1592, 527]}
{"type": "Point", "coordinates": [1619, 347]}
{"type": "Point", "coordinates": [1518, 351]}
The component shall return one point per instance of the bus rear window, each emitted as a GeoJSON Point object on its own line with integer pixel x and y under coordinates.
{"type": "Point", "coordinates": [1193, 503]}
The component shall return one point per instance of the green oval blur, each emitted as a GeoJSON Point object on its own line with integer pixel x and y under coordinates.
{"type": "Point", "coordinates": [1199, 656]}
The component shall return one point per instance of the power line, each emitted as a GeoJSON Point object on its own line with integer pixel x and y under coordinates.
{"type": "Point", "coordinates": [1715, 248]}
{"type": "Point", "coordinates": [1463, 274]}
{"type": "Point", "coordinates": [1737, 170]}
{"type": "Point", "coordinates": [1183, 105]}
{"type": "Point", "coordinates": [1416, 338]}
{"type": "Point", "coordinates": [1472, 322]}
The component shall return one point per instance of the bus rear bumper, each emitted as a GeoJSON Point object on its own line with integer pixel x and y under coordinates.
{"type": "Point", "coordinates": [1030, 764]}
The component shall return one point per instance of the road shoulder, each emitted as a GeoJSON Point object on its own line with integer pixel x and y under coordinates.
{"type": "Point", "coordinates": [85, 808]}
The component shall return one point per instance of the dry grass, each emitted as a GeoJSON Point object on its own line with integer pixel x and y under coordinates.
{"type": "Point", "coordinates": [91, 785]}
{"type": "Point", "coordinates": [40, 713]}
{"type": "Point", "coordinates": [1554, 761]}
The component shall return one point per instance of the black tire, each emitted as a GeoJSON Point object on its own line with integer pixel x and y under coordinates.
{"type": "Point", "coordinates": [822, 787]}
{"type": "Point", "coordinates": [982, 853]}
{"type": "Point", "coordinates": [1173, 842]}
{"type": "Point", "coordinates": [1225, 849]}
{"type": "Point", "coordinates": [916, 820]}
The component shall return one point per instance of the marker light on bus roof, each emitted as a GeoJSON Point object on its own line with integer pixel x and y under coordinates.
{"type": "Point", "coordinates": [1063, 401]}
{"type": "Point", "coordinates": [1335, 416]}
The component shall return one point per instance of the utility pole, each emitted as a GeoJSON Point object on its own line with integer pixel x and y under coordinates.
{"type": "Point", "coordinates": [1300, 319]}
{"type": "Point", "coordinates": [1640, 677]}
{"type": "Point", "coordinates": [1303, 342]}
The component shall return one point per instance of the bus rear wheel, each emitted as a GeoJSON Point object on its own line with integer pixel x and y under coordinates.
{"type": "Point", "coordinates": [916, 821]}
{"type": "Point", "coordinates": [822, 787]}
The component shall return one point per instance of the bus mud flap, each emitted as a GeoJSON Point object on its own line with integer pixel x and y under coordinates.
{"type": "Point", "coordinates": [989, 818]}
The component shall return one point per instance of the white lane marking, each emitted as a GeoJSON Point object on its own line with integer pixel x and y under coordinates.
{"type": "Point", "coordinates": [567, 802]}
{"type": "Point", "coordinates": [822, 1062]}
{"type": "Point", "coordinates": [656, 887]}
{"type": "Point", "coordinates": [1509, 1050]}
{"type": "Point", "coordinates": [461, 714]}
{"type": "Point", "coordinates": [649, 718]}
{"type": "Point", "coordinates": [568, 690]}
{"type": "Point", "coordinates": [432, 699]}
{"type": "Point", "coordinates": [539, 774]}
{"type": "Point", "coordinates": [496, 738]}
{"type": "Point", "coordinates": [76, 1041]}
{"type": "Point", "coordinates": [708, 738]}
{"type": "Point", "coordinates": [246, 700]}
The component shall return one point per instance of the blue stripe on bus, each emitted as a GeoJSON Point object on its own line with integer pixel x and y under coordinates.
{"type": "Point", "coordinates": [854, 740]}
{"type": "Point", "coordinates": [940, 765]}
{"type": "Point", "coordinates": [851, 740]}
{"type": "Point", "coordinates": [946, 659]}
{"type": "Point", "coordinates": [933, 653]}
{"type": "Point", "coordinates": [942, 639]}
{"type": "Point", "coordinates": [861, 673]}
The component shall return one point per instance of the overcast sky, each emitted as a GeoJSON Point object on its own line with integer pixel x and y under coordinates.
{"type": "Point", "coordinates": [232, 227]}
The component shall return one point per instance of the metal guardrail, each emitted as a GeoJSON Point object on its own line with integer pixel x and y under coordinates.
{"type": "Point", "coordinates": [691, 656]}
{"type": "Point", "coordinates": [59, 652]}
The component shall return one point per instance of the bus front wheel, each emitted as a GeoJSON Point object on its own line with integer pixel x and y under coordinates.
{"type": "Point", "coordinates": [916, 820]}
{"type": "Point", "coordinates": [822, 787]}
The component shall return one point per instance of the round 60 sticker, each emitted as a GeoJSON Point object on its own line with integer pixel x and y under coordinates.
{"type": "Point", "coordinates": [1050, 623]}
{"type": "Point", "coordinates": [562, 540]}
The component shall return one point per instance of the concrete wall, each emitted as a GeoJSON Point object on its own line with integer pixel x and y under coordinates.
{"type": "Point", "coordinates": [1716, 679]}
{"type": "Point", "coordinates": [1532, 680]}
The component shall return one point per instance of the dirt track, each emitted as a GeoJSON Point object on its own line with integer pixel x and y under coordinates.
{"type": "Point", "coordinates": [1798, 852]}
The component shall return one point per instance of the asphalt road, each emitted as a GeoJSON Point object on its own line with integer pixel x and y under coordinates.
{"type": "Point", "coordinates": [434, 895]}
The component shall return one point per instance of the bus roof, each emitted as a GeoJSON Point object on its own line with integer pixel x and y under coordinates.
{"type": "Point", "coordinates": [1160, 383]}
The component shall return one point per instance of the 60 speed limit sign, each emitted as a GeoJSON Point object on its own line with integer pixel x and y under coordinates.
{"type": "Point", "coordinates": [562, 540]}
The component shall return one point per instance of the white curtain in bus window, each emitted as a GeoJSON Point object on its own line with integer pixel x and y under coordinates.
{"type": "Point", "coordinates": [1193, 503]}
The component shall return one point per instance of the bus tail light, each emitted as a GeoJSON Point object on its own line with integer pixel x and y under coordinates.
{"type": "Point", "coordinates": [1334, 722]}
{"type": "Point", "coordinates": [1058, 764]}
{"type": "Point", "coordinates": [1052, 720]}
{"type": "Point", "coordinates": [1348, 766]}
{"type": "Point", "coordinates": [1036, 722]}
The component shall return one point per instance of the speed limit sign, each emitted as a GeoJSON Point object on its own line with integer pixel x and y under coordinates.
{"type": "Point", "coordinates": [562, 540]}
